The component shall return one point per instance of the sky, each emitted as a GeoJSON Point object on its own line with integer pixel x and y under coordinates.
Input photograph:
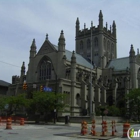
{"type": "Point", "coordinates": [23, 20]}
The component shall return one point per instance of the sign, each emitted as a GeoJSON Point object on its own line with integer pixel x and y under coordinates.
{"type": "Point", "coordinates": [106, 112]}
{"type": "Point", "coordinates": [47, 89]}
{"type": "Point", "coordinates": [34, 85]}
{"type": "Point", "coordinates": [6, 106]}
{"type": "Point", "coordinates": [133, 133]}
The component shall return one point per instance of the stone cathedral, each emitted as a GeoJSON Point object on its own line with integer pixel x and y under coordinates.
{"type": "Point", "coordinates": [88, 79]}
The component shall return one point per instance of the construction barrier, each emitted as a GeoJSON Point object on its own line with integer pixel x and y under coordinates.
{"type": "Point", "coordinates": [9, 123]}
{"type": "Point", "coordinates": [93, 132]}
{"type": "Point", "coordinates": [126, 126]}
{"type": "Point", "coordinates": [105, 125]}
{"type": "Point", "coordinates": [84, 128]}
{"type": "Point", "coordinates": [21, 121]}
{"type": "Point", "coordinates": [113, 128]}
{"type": "Point", "coordinates": [103, 129]}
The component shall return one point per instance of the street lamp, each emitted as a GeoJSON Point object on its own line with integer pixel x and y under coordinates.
{"type": "Point", "coordinates": [55, 100]}
{"type": "Point", "coordinates": [102, 109]}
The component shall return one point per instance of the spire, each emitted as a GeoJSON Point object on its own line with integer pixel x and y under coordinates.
{"type": "Point", "coordinates": [138, 51]}
{"type": "Point", "coordinates": [77, 26]}
{"type": "Point", "coordinates": [62, 36]}
{"type": "Point", "coordinates": [23, 69]}
{"type": "Point", "coordinates": [33, 44]}
{"type": "Point", "coordinates": [110, 29]}
{"type": "Point", "coordinates": [114, 24]}
{"type": "Point", "coordinates": [73, 57]}
{"type": "Point", "coordinates": [46, 36]}
{"type": "Point", "coordinates": [100, 20]}
{"type": "Point", "coordinates": [33, 49]}
{"type": "Point", "coordinates": [91, 24]}
{"type": "Point", "coordinates": [114, 28]}
{"type": "Point", "coordinates": [100, 14]}
{"type": "Point", "coordinates": [132, 52]}
{"type": "Point", "coordinates": [84, 25]}
{"type": "Point", "coordinates": [73, 67]}
{"type": "Point", "coordinates": [77, 21]}
{"type": "Point", "coordinates": [106, 26]}
{"type": "Point", "coordinates": [61, 42]}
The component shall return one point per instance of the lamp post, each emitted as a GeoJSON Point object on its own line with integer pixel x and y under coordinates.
{"type": "Point", "coordinates": [102, 109]}
{"type": "Point", "coordinates": [55, 100]}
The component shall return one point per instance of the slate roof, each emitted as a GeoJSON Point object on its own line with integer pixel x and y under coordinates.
{"type": "Point", "coordinates": [4, 83]}
{"type": "Point", "coordinates": [119, 63]}
{"type": "Point", "coordinates": [79, 59]}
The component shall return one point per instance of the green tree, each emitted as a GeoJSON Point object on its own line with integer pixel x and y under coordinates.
{"type": "Point", "coordinates": [47, 101]}
{"type": "Point", "coordinates": [133, 99]}
{"type": "Point", "coordinates": [3, 103]}
{"type": "Point", "coordinates": [17, 103]}
{"type": "Point", "coordinates": [113, 111]}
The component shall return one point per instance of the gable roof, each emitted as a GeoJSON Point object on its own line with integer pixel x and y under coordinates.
{"type": "Point", "coordinates": [119, 63]}
{"type": "Point", "coordinates": [79, 59]}
{"type": "Point", "coordinates": [4, 83]}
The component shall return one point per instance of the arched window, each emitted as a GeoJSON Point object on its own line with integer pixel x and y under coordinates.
{"type": "Point", "coordinates": [104, 44]}
{"type": "Point", "coordinates": [112, 48]}
{"type": "Point", "coordinates": [45, 70]}
{"type": "Point", "coordinates": [81, 45]}
{"type": "Point", "coordinates": [78, 99]}
{"type": "Point", "coordinates": [108, 45]}
{"type": "Point", "coordinates": [88, 44]}
{"type": "Point", "coordinates": [96, 42]}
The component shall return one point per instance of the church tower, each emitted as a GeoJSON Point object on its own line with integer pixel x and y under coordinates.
{"type": "Point", "coordinates": [104, 42]}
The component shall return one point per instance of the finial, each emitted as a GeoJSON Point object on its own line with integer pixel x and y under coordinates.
{"type": "Point", "coordinates": [91, 23]}
{"type": "Point", "coordinates": [23, 64]}
{"type": "Point", "coordinates": [100, 14]}
{"type": "Point", "coordinates": [73, 52]}
{"type": "Point", "coordinates": [106, 25]}
{"type": "Point", "coordinates": [77, 21]}
{"type": "Point", "coordinates": [46, 36]}
{"type": "Point", "coordinates": [33, 43]}
{"type": "Point", "coordinates": [110, 27]}
{"type": "Point", "coordinates": [114, 24]}
{"type": "Point", "coordinates": [138, 51]}
{"type": "Point", "coordinates": [84, 25]}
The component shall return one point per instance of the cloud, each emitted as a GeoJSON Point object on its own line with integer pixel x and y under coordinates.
{"type": "Point", "coordinates": [21, 21]}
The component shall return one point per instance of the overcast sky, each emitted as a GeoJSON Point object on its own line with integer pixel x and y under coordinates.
{"type": "Point", "coordinates": [23, 20]}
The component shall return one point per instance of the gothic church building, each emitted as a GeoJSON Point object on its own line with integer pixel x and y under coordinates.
{"type": "Point", "coordinates": [88, 79]}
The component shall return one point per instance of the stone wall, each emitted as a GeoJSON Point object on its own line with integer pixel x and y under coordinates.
{"type": "Point", "coordinates": [98, 119]}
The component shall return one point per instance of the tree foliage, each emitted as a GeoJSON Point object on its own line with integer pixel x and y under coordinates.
{"type": "Point", "coordinates": [39, 102]}
{"type": "Point", "coordinates": [133, 99]}
{"type": "Point", "coordinates": [45, 102]}
{"type": "Point", "coordinates": [3, 102]}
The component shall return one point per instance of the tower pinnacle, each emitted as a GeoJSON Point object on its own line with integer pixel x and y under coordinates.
{"type": "Point", "coordinates": [100, 20]}
{"type": "Point", "coordinates": [61, 42]}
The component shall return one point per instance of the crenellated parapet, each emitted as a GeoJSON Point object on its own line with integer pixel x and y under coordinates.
{"type": "Point", "coordinates": [15, 79]}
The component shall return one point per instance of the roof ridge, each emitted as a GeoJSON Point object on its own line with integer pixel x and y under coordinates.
{"type": "Point", "coordinates": [120, 58]}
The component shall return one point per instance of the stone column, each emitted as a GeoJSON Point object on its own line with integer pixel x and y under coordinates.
{"type": "Point", "coordinates": [115, 92]}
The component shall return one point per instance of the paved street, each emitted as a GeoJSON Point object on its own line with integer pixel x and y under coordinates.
{"type": "Point", "coordinates": [59, 131]}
